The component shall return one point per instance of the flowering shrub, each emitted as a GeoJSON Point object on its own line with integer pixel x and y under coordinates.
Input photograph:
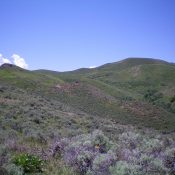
{"type": "Point", "coordinates": [123, 168]}
{"type": "Point", "coordinates": [102, 162]}
{"type": "Point", "coordinates": [84, 161]}
{"type": "Point", "coordinates": [30, 163]}
{"type": "Point", "coordinates": [57, 148]}
{"type": "Point", "coordinates": [130, 139]}
{"type": "Point", "coordinates": [86, 153]}
{"type": "Point", "coordinates": [133, 153]}
{"type": "Point", "coordinates": [169, 160]}
{"type": "Point", "coordinates": [100, 141]}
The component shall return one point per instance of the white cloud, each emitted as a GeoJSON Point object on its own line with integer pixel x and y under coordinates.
{"type": "Point", "coordinates": [3, 60]}
{"type": "Point", "coordinates": [91, 67]}
{"type": "Point", "coordinates": [19, 61]}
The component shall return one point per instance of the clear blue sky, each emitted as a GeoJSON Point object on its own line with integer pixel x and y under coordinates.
{"type": "Point", "coordinates": [68, 34]}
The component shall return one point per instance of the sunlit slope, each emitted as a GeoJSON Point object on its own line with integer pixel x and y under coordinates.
{"type": "Point", "coordinates": [132, 91]}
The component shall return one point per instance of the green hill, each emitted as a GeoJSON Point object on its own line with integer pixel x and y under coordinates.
{"type": "Point", "coordinates": [131, 101]}
{"type": "Point", "coordinates": [136, 90]}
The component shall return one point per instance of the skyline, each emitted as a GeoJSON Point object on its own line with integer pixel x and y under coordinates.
{"type": "Point", "coordinates": [20, 62]}
{"type": "Point", "coordinates": [67, 35]}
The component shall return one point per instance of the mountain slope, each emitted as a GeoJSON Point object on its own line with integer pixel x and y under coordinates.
{"type": "Point", "coordinates": [132, 91]}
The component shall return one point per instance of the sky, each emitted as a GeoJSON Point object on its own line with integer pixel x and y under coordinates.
{"type": "Point", "coordinates": [64, 35]}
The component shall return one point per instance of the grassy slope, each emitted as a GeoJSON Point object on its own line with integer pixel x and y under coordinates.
{"type": "Point", "coordinates": [128, 81]}
{"type": "Point", "coordinates": [113, 90]}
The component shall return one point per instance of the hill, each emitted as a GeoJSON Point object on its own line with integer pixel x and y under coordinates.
{"type": "Point", "coordinates": [132, 88]}
{"type": "Point", "coordinates": [136, 91]}
{"type": "Point", "coordinates": [39, 106]}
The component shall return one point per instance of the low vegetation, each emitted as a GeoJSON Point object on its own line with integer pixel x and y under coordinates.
{"type": "Point", "coordinates": [131, 151]}
{"type": "Point", "coordinates": [117, 119]}
{"type": "Point", "coordinates": [29, 163]}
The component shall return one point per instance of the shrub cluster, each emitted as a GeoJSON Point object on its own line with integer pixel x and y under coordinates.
{"type": "Point", "coordinates": [133, 153]}
{"type": "Point", "coordinates": [91, 153]}
{"type": "Point", "coordinates": [29, 163]}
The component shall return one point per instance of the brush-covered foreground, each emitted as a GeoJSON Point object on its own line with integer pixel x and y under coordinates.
{"type": "Point", "coordinates": [124, 150]}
